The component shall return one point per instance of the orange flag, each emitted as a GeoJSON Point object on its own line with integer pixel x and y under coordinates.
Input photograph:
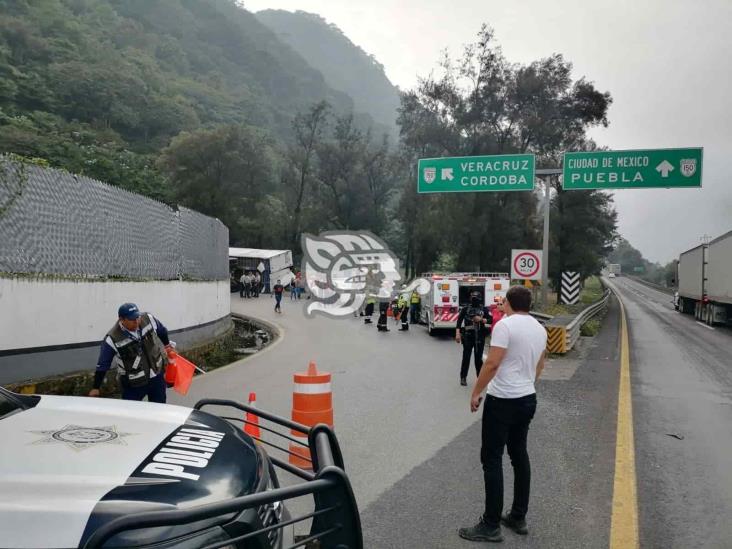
{"type": "Point", "coordinates": [179, 372]}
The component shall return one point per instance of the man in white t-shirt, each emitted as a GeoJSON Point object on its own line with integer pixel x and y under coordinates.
{"type": "Point", "coordinates": [514, 363]}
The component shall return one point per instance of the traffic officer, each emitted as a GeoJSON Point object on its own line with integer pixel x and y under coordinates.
{"type": "Point", "coordinates": [137, 345]}
{"type": "Point", "coordinates": [472, 327]}
{"type": "Point", "coordinates": [416, 304]}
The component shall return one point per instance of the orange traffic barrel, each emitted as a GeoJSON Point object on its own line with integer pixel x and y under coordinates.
{"type": "Point", "coordinates": [251, 427]}
{"type": "Point", "coordinates": [312, 403]}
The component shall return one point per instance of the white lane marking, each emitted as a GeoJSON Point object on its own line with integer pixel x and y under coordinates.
{"type": "Point", "coordinates": [702, 324]}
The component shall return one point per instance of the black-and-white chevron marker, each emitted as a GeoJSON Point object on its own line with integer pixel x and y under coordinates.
{"type": "Point", "coordinates": [570, 287]}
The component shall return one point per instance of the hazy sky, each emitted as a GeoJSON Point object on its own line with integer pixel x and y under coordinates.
{"type": "Point", "coordinates": [667, 64]}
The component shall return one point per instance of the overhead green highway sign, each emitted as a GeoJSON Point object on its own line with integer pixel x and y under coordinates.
{"type": "Point", "coordinates": [508, 172]}
{"type": "Point", "coordinates": [655, 168]}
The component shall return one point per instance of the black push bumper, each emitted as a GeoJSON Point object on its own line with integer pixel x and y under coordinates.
{"type": "Point", "coordinates": [335, 518]}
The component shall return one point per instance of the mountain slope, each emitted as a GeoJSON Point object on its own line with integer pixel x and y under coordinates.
{"type": "Point", "coordinates": [346, 67]}
{"type": "Point", "coordinates": [144, 70]}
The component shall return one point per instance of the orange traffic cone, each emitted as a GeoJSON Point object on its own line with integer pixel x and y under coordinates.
{"type": "Point", "coordinates": [312, 403]}
{"type": "Point", "coordinates": [252, 426]}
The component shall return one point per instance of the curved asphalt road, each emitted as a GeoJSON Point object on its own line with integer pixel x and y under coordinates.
{"type": "Point", "coordinates": [410, 443]}
{"type": "Point", "coordinates": [681, 374]}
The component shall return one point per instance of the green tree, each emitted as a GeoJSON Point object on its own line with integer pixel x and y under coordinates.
{"type": "Point", "coordinates": [308, 129]}
{"type": "Point", "coordinates": [584, 227]}
{"type": "Point", "coordinates": [481, 105]}
{"type": "Point", "coordinates": [223, 173]}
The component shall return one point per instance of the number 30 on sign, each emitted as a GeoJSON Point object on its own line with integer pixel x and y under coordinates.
{"type": "Point", "coordinates": [526, 264]}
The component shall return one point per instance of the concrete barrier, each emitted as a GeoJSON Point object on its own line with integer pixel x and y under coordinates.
{"type": "Point", "coordinates": [53, 326]}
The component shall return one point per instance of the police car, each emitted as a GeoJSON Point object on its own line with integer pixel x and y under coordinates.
{"type": "Point", "coordinates": [85, 472]}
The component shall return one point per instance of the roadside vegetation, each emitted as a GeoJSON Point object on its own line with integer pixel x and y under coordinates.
{"type": "Point", "coordinates": [199, 104]}
{"type": "Point", "coordinates": [591, 292]}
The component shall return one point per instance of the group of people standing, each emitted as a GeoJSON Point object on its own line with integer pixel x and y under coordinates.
{"type": "Point", "coordinates": [402, 309]}
{"type": "Point", "coordinates": [250, 284]}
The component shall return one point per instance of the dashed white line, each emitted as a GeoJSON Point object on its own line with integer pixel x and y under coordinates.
{"type": "Point", "coordinates": [702, 324]}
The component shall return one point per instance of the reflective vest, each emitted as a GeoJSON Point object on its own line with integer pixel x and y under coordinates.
{"type": "Point", "coordinates": [138, 359]}
{"type": "Point", "coordinates": [415, 298]}
{"type": "Point", "coordinates": [402, 302]}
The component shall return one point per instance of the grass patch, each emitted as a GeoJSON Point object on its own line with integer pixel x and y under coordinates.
{"type": "Point", "coordinates": [591, 328]}
{"type": "Point", "coordinates": [592, 291]}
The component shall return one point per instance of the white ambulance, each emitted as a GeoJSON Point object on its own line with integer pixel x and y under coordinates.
{"type": "Point", "coordinates": [449, 292]}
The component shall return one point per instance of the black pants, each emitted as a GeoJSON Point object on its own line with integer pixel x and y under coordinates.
{"type": "Point", "coordinates": [472, 345]}
{"type": "Point", "coordinates": [381, 323]}
{"type": "Point", "coordinates": [368, 312]}
{"type": "Point", "coordinates": [154, 390]}
{"type": "Point", "coordinates": [415, 312]}
{"type": "Point", "coordinates": [404, 317]}
{"type": "Point", "coordinates": [506, 423]}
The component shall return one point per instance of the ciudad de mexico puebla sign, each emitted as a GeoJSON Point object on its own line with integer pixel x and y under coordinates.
{"type": "Point", "coordinates": [656, 168]}
{"type": "Point", "coordinates": [508, 172]}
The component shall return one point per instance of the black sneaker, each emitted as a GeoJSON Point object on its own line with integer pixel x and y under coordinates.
{"type": "Point", "coordinates": [463, 382]}
{"type": "Point", "coordinates": [481, 532]}
{"type": "Point", "coordinates": [517, 525]}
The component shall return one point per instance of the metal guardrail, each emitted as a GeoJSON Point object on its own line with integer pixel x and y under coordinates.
{"type": "Point", "coordinates": [541, 317]}
{"type": "Point", "coordinates": [563, 332]}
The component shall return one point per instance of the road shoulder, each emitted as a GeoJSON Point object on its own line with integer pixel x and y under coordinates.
{"type": "Point", "coordinates": [572, 447]}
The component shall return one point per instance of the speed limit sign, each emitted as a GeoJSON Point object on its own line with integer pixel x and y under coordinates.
{"type": "Point", "coordinates": [526, 264]}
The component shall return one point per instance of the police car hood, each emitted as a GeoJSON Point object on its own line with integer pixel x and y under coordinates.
{"type": "Point", "coordinates": [70, 464]}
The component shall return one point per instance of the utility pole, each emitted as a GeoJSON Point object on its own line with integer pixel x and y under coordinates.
{"type": "Point", "coordinates": [546, 176]}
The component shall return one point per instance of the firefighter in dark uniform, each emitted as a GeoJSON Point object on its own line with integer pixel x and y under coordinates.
{"type": "Point", "coordinates": [472, 327]}
{"type": "Point", "coordinates": [403, 307]}
{"type": "Point", "coordinates": [137, 345]}
{"type": "Point", "coordinates": [369, 309]}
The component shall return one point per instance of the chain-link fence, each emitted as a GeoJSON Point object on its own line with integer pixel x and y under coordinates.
{"type": "Point", "coordinates": [56, 223]}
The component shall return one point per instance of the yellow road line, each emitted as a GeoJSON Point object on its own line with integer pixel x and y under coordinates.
{"type": "Point", "coordinates": [624, 523]}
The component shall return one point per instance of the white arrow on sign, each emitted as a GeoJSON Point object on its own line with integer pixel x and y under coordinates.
{"type": "Point", "coordinates": [664, 167]}
{"type": "Point", "coordinates": [446, 174]}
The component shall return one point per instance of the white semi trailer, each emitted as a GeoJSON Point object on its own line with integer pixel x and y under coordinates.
{"type": "Point", "coordinates": [705, 281]}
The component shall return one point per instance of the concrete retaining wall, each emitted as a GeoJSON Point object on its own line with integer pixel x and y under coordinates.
{"type": "Point", "coordinates": [50, 326]}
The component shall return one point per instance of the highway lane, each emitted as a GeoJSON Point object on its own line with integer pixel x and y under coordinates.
{"type": "Point", "coordinates": [681, 374]}
{"type": "Point", "coordinates": [410, 443]}
{"type": "Point", "coordinates": [397, 398]}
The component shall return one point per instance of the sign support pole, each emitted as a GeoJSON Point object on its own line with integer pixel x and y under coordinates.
{"type": "Point", "coordinates": [546, 176]}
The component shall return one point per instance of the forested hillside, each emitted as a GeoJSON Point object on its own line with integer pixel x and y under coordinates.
{"type": "Point", "coordinates": [344, 65]}
{"type": "Point", "coordinates": [196, 102]}
{"type": "Point", "coordinates": [97, 85]}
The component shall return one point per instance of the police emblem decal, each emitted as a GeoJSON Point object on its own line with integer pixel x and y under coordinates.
{"type": "Point", "coordinates": [79, 437]}
{"type": "Point", "coordinates": [688, 167]}
{"type": "Point", "coordinates": [429, 174]}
